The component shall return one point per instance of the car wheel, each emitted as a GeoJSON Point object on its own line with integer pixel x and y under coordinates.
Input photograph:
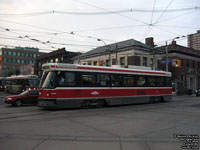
{"type": "Point", "coordinates": [18, 103]}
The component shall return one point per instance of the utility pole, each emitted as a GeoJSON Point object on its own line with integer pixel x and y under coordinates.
{"type": "Point", "coordinates": [167, 63]}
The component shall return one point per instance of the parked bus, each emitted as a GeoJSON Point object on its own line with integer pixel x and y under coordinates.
{"type": "Point", "coordinates": [18, 84]}
{"type": "Point", "coordinates": [93, 85]}
{"type": "Point", "coordinates": [2, 83]}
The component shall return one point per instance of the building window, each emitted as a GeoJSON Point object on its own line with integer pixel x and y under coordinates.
{"type": "Point", "coordinates": [198, 64]}
{"type": "Point", "coordinates": [107, 62]}
{"type": "Point", "coordinates": [4, 53]}
{"type": "Point", "coordinates": [188, 63]}
{"type": "Point", "coordinates": [144, 61]}
{"type": "Point", "coordinates": [114, 62]}
{"type": "Point", "coordinates": [193, 64]}
{"type": "Point", "coordinates": [181, 62]}
{"type": "Point", "coordinates": [122, 61]}
{"type": "Point", "coordinates": [18, 53]}
{"type": "Point", "coordinates": [95, 63]}
{"type": "Point", "coordinates": [4, 60]}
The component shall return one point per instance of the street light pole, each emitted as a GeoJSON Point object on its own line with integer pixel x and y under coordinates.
{"type": "Point", "coordinates": [106, 49]}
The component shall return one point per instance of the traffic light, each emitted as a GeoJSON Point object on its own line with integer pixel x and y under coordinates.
{"type": "Point", "coordinates": [177, 63]}
{"type": "Point", "coordinates": [0, 60]}
{"type": "Point", "coordinates": [100, 63]}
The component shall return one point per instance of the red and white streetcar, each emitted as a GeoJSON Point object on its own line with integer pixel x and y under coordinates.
{"type": "Point", "coordinates": [71, 86]}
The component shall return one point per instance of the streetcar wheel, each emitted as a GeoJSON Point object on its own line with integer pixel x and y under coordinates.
{"type": "Point", "coordinates": [18, 103]}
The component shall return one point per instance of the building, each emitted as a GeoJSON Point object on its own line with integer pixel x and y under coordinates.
{"type": "Point", "coordinates": [125, 53]}
{"type": "Point", "coordinates": [58, 56]}
{"type": "Point", "coordinates": [194, 40]}
{"type": "Point", "coordinates": [184, 63]}
{"type": "Point", "coordinates": [11, 59]}
{"type": "Point", "coordinates": [27, 69]}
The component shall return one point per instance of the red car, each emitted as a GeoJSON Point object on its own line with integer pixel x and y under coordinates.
{"type": "Point", "coordinates": [27, 97]}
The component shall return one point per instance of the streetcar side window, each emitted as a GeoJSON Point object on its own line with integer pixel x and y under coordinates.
{"type": "Point", "coordinates": [88, 80]}
{"type": "Point", "coordinates": [161, 81]}
{"type": "Point", "coordinates": [117, 80]}
{"type": "Point", "coordinates": [103, 80]}
{"type": "Point", "coordinates": [152, 81]}
{"type": "Point", "coordinates": [168, 82]}
{"type": "Point", "coordinates": [70, 79]}
{"type": "Point", "coordinates": [129, 81]}
{"type": "Point", "coordinates": [140, 81]}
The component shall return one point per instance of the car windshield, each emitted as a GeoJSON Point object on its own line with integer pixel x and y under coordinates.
{"type": "Point", "coordinates": [23, 93]}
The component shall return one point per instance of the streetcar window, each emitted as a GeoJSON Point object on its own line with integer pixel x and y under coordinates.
{"type": "Point", "coordinates": [50, 80]}
{"type": "Point", "coordinates": [88, 80]}
{"type": "Point", "coordinates": [168, 81]}
{"type": "Point", "coordinates": [116, 80]}
{"type": "Point", "coordinates": [129, 81]}
{"type": "Point", "coordinates": [161, 81]}
{"type": "Point", "coordinates": [69, 79]}
{"type": "Point", "coordinates": [103, 80]}
{"type": "Point", "coordinates": [152, 81]}
{"type": "Point", "coordinates": [43, 78]}
{"type": "Point", "coordinates": [140, 81]}
{"type": "Point", "coordinates": [32, 82]}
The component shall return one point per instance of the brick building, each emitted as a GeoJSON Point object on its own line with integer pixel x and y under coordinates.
{"type": "Point", "coordinates": [58, 56]}
{"type": "Point", "coordinates": [11, 59]}
{"type": "Point", "coordinates": [186, 75]}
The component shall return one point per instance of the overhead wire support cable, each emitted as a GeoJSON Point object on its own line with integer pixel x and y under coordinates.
{"type": "Point", "coordinates": [105, 12]}
{"type": "Point", "coordinates": [110, 11]}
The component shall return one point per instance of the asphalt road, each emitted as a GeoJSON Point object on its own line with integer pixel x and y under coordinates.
{"type": "Point", "coordinates": [159, 126]}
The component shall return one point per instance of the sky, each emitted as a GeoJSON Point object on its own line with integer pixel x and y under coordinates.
{"type": "Point", "coordinates": [78, 24]}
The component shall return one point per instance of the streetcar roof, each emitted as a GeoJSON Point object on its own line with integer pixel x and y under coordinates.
{"type": "Point", "coordinates": [65, 66]}
{"type": "Point", "coordinates": [23, 77]}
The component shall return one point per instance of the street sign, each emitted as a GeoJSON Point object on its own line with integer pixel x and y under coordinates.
{"type": "Point", "coordinates": [165, 61]}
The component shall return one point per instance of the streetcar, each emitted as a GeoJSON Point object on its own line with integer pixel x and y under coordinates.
{"type": "Point", "coordinates": [2, 83]}
{"type": "Point", "coordinates": [85, 86]}
{"type": "Point", "coordinates": [20, 83]}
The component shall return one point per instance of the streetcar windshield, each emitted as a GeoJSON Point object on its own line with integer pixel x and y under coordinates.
{"type": "Point", "coordinates": [49, 80]}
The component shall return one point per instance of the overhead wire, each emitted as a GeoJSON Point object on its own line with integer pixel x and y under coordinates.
{"type": "Point", "coordinates": [153, 24]}
{"type": "Point", "coordinates": [60, 32]}
{"type": "Point", "coordinates": [130, 10]}
{"type": "Point", "coordinates": [91, 5]}
{"type": "Point", "coordinates": [150, 24]}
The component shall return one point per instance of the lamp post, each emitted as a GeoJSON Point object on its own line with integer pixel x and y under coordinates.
{"type": "Point", "coordinates": [106, 49]}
